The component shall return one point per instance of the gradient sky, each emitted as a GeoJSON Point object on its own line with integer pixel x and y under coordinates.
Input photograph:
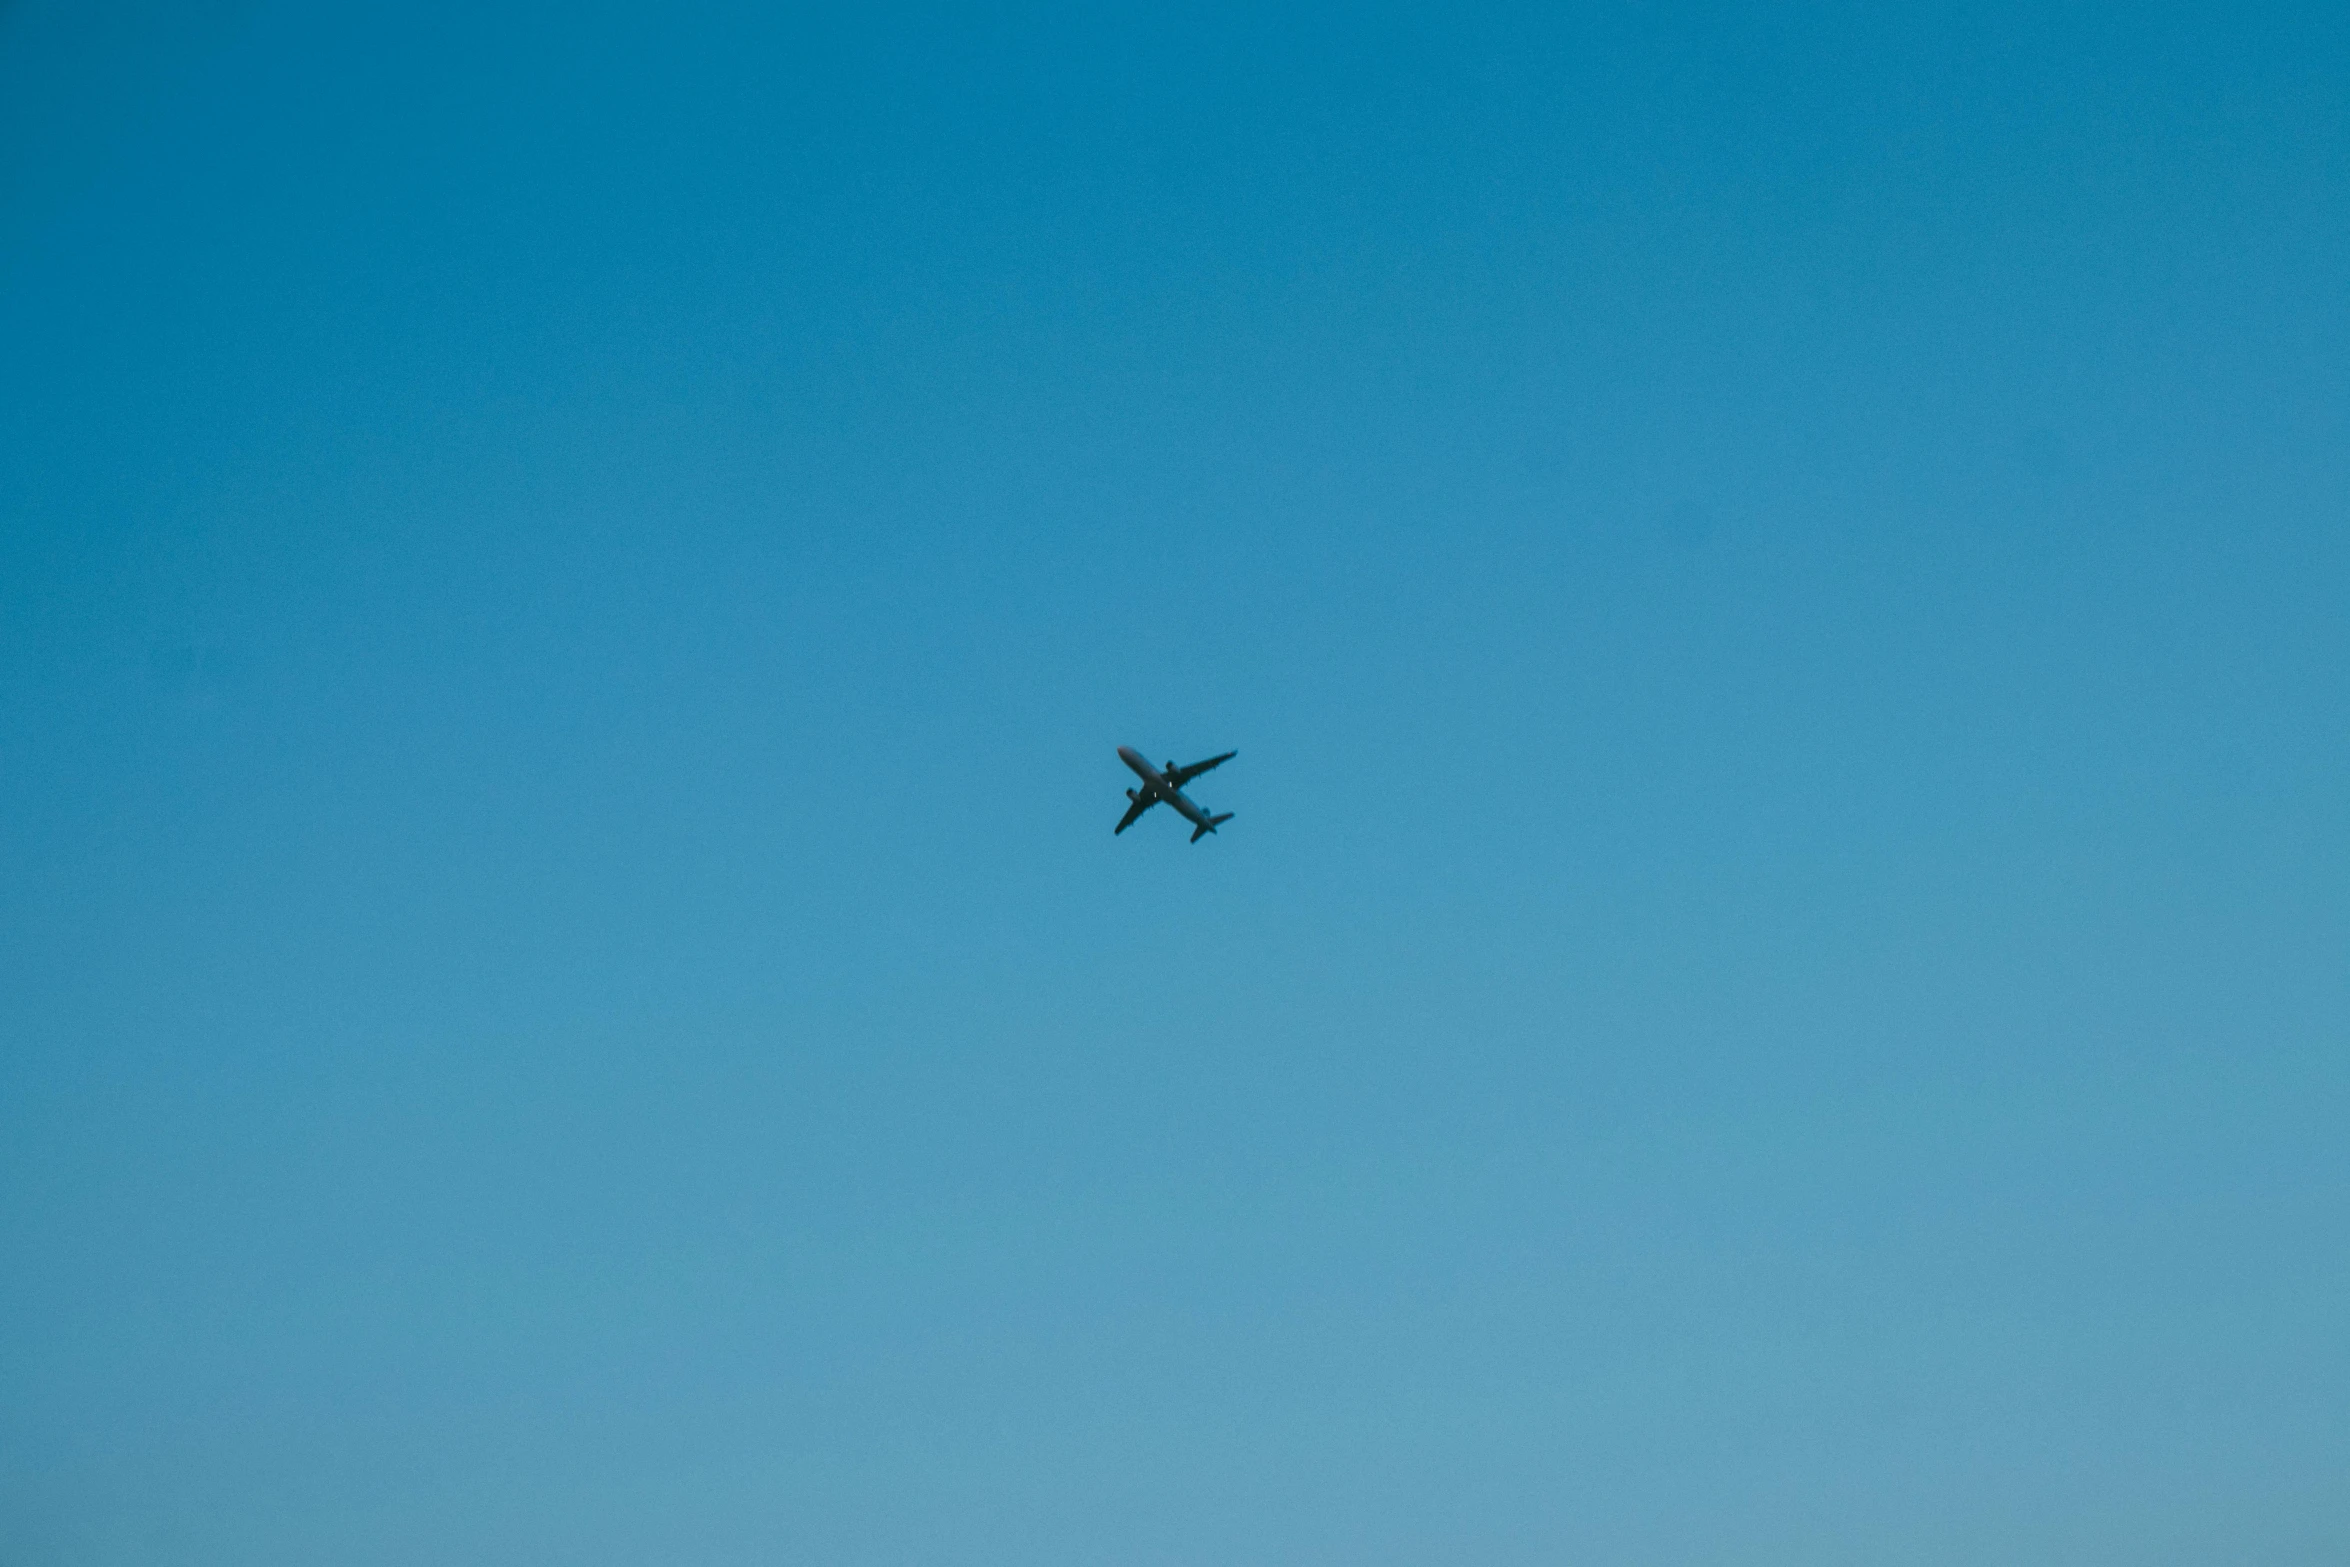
{"type": "Point", "coordinates": [1779, 992]}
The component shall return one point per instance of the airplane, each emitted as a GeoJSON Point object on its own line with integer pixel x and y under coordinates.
{"type": "Point", "coordinates": [1168, 785]}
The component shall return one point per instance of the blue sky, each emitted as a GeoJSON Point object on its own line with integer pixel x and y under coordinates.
{"type": "Point", "coordinates": [569, 581]}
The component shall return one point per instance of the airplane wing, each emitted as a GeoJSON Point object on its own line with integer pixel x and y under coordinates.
{"type": "Point", "coordinates": [1183, 775]}
{"type": "Point", "coordinates": [1141, 804]}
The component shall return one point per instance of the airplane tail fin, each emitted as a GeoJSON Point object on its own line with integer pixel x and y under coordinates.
{"type": "Point", "coordinates": [1209, 826]}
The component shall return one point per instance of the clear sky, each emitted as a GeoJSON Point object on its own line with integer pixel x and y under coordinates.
{"type": "Point", "coordinates": [1779, 990]}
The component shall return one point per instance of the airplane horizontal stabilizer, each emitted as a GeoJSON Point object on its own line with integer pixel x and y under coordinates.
{"type": "Point", "coordinates": [1209, 826]}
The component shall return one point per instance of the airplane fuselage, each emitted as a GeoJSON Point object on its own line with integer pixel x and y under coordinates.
{"type": "Point", "coordinates": [1155, 786]}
